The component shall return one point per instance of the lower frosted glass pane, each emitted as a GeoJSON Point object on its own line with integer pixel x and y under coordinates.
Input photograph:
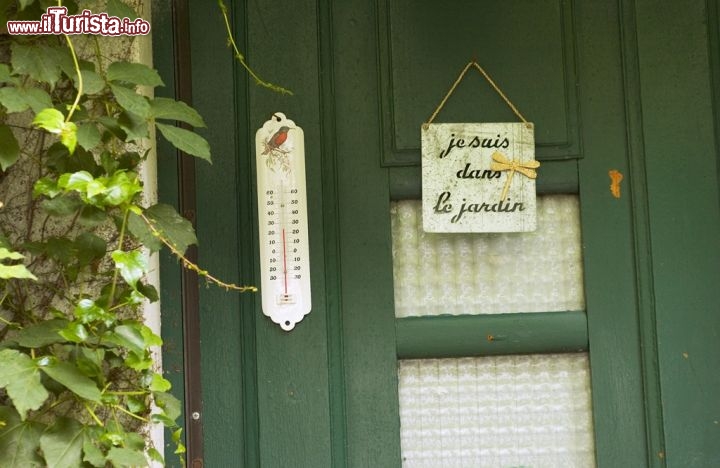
{"type": "Point", "coordinates": [496, 411]}
{"type": "Point", "coordinates": [538, 271]}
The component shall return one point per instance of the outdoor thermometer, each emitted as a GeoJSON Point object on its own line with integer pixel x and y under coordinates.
{"type": "Point", "coordinates": [282, 220]}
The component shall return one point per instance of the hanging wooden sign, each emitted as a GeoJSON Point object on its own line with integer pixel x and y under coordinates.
{"type": "Point", "coordinates": [478, 177]}
{"type": "Point", "coordinates": [469, 177]}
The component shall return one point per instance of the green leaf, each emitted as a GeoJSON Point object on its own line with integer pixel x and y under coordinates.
{"type": "Point", "coordinates": [60, 161]}
{"type": "Point", "coordinates": [92, 454]}
{"type": "Point", "coordinates": [46, 187]}
{"type": "Point", "coordinates": [77, 181]}
{"type": "Point", "coordinates": [120, 9]}
{"type": "Point", "coordinates": [165, 108]}
{"type": "Point", "coordinates": [90, 362]}
{"type": "Point", "coordinates": [162, 419]}
{"type": "Point", "coordinates": [15, 271]}
{"type": "Point", "coordinates": [151, 339]}
{"type": "Point", "coordinates": [88, 311]}
{"type": "Point", "coordinates": [5, 73]}
{"type": "Point", "coordinates": [88, 135]}
{"type": "Point", "coordinates": [75, 381]}
{"type": "Point", "coordinates": [62, 206]}
{"type": "Point", "coordinates": [112, 127]}
{"type": "Point", "coordinates": [148, 291]}
{"type": "Point", "coordinates": [74, 332]}
{"type": "Point", "coordinates": [51, 120]}
{"type": "Point", "coordinates": [130, 337]}
{"type": "Point", "coordinates": [60, 249]}
{"type": "Point", "coordinates": [91, 216]}
{"type": "Point", "coordinates": [135, 73]}
{"type": "Point", "coordinates": [169, 404]}
{"type": "Point", "coordinates": [68, 136]}
{"type": "Point", "coordinates": [131, 101]}
{"type": "Point", "coordinates": [172, 226]}
{"type": "Point", "coordinates": [9, 147]}
{"type": "Point", "coordinates": [185, 140]}
{"type": "Point", "coordinates": [61, 55]}
{"type": "Point", "coordinates": [138, 363]}
{"type": "Point", "coordinates": [6, 254]}
{"type": "Point", "coordinates": [95, 187]}
{"type": "Point", "coordinates": [13, 99]}
{"type": "Point", "coordinates": [121, 456]}
{"type": "Point", "coordinates": [112, 436]}
{"type": "Point", "coordinates": [36, 98]}
{"type": "Point", "coordinates": [134, 441]}
{"type": "Point", "coordinates": [19, 441]}
{"type": "Point", "coordinates": [92, 82]}
{"type": "Point", "coordinates": [121, 188]}
{"type": "Point", "coordinates": [38, 61]}
{"type": "Point", "coordinates": [139, 228]}
{"type": "Point", "coordinates": [41, 334]}
{"type": "Point", "coordinates": [20, 376]}
{"type": "Point", "coordinates": [90, 248]}
{"type": "Point", "coordinates": [62, 443]}
{"type": "Point", "coordinates": [159, 383]}
{"type": "Point", "coordinates": [132, 265]}
{"type": "Point", "coordinates": [135, 127]}
{"type": "Point", "coordinates": [136, 404]}
{"type": "Point", "coordinates": [156, 456]}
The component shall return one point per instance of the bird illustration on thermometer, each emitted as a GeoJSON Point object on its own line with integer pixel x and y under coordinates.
{"type": "Point", "coordinates": [278, 147]}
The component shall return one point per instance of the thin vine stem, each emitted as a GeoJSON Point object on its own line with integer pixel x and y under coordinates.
{"type": "Point", "coordinates": [131, 414]}
{"type": "Point", "coordinates": [10, 324]}
{"type": "Point", "coordinates": [241, 58]}
{"type": "Point", "coordinates": [192, 266]}
{"type": "Point", "coordinates": [126, 393]}
{"type": "Point", "coordinates": [76, 103]}
{"type": "Point", "coordinates": [93, 415]}
{"type": "Point", "coordinates": [77, 70]}
{"type": "Point", "coordinates": [116, 273]}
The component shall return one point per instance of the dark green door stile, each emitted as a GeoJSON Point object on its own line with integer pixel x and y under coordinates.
{"type": "Point", "coordinates": [618, 398]}
{"type": "Point", "coordinates": [638, 194]}
{"type": "Point", "coordinates": [684, 222]}
{"type": "Point", "coordinates": [331, 235]}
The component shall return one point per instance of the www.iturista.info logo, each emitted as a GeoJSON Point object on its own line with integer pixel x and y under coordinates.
{"type": "Point", "coordinates": [57, 21]}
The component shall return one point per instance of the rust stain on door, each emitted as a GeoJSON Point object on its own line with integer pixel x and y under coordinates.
{"type": "Point", "coordinates": [615, 178]}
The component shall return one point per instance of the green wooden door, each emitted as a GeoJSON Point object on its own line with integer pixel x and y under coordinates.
{"type": "Point", "coordinates": [365, 75]}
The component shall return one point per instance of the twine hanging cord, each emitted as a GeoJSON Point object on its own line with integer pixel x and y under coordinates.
{"type": "Point", "coordinates": [473, 63]}
{"type": "Point", "coordinates": [500, 162]}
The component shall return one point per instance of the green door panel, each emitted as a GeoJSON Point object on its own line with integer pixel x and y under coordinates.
{"type": "Point", "coordinates": [528, 49]}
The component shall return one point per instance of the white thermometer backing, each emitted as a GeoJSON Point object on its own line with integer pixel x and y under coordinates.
{"type": "Point", "coordinates": [282, 221]}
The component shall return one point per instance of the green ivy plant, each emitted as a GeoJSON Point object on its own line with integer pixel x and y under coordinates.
{"type": "Point", "coordinates": [78, 383]}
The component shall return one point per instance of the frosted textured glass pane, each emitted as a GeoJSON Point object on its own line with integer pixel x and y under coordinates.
{"type": "Point", "coordinates": [488, 273]}
{"type": "Point", "coordinates": [496, 411]}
